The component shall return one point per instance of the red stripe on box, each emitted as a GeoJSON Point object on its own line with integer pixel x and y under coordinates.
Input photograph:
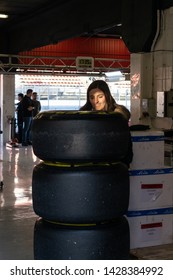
{"type": "Point", "coordinates": [151, 186]}
{"type": "Point", "coordinates": [152, 225]}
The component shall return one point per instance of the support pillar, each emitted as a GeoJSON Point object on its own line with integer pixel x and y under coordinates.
{"type": "Point", "coordinates": [141, 83]}
{"type": "Point", "coordinates": [7, 90]}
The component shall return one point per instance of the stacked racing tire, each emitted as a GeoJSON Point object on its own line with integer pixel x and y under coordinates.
{"type": "Point", "coordinates": [80, 190]}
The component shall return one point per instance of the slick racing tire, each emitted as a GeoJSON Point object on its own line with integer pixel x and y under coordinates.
{"type": "Point", "coordinates": [81, 193]}
{"type": "Point", "coordinates": [62, 242]}
{"type": "Point", "coordinates": [80, 136]}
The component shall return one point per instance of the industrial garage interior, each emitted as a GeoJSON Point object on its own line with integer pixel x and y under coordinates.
{"type": "Point", "coordinates": [42, 45]}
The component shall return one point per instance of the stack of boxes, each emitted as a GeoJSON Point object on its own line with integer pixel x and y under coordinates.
{"type": "Point", "coordinates": [150, 212]}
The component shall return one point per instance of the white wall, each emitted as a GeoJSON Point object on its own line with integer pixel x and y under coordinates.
{"type": "Point", "coordinates": [156, 69]}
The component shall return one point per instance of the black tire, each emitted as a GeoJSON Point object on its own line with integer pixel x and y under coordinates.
{"type": "Point", "coordinates": [103, 242]}
{"type": "Point", "coordinates": [80, 136]}
{"type": "Point", "coordinates": [81, 193]}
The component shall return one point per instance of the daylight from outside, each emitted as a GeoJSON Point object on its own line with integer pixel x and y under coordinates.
{"type": "Point", "coordinates": [69, 92]}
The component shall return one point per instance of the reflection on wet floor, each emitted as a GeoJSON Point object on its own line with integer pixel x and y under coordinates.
{"type": "Point", "coordinates": [17, 217]}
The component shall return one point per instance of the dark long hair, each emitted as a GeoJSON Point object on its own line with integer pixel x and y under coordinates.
{"type": "Point", "coordinates": [102, 85]}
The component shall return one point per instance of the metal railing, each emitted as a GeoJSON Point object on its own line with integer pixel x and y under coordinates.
{"type": "Point", "coordinates": [22, 64]}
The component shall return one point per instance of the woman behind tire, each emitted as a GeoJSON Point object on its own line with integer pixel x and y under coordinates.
{"type": "Point", "coordinates": [99, 98]}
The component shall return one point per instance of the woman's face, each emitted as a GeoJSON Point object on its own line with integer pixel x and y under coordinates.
{"type": "Point", "coordinates": [97, 99]}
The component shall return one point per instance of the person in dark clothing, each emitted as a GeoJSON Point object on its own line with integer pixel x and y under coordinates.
{"type": "Point", "coordinates": [36, 110]}
{"type": "Point", "coordinates": [19, 117]}
{"type": "Point", "coordinates": [27, 106]}
{"type": "Point", "coordinates": [99, 98]}
{"type": "Point", "coordinates": [37, 104]}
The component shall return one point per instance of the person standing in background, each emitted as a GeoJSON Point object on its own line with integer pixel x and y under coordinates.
{"type": "Point", "coordinates": [37, 104]}
{"type": "Point", "coordinates": [28, 107]}
{"type": "Point", "coordinates": [19, 112]}
{"type": "Point", "coordinates": [36, 110]}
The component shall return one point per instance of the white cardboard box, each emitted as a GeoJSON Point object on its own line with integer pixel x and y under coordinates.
{"type": "Point", "coordinates": [151, 188]}
{"type": "Point", "coordinates": [148, 149]}
{"type": "Point", "coordinates": [150, 228]}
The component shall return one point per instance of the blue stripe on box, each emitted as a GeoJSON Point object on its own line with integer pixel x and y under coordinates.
{"type": "Point", "coordinates": [160, 211]}
{"type": "Point", "coordinates": [142, 172]}
{"type": "Point", "coordinates": [147, 138]}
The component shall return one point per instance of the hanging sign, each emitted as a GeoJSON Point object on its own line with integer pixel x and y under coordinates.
{"type": "Point", "coordinates": [84, 63]}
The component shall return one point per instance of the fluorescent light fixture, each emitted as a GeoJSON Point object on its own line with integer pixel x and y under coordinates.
{"type": "Point", "coordinates": [112, 74]}
{"type": "Point", "coordinates": [3, 16]}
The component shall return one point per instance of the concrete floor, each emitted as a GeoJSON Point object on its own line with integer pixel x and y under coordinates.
{"type": "Point", "coordinates": [17, 217]}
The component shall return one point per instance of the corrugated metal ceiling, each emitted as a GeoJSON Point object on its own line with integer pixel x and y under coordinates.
{"type": "Point", "coordinates": [36, 23]}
